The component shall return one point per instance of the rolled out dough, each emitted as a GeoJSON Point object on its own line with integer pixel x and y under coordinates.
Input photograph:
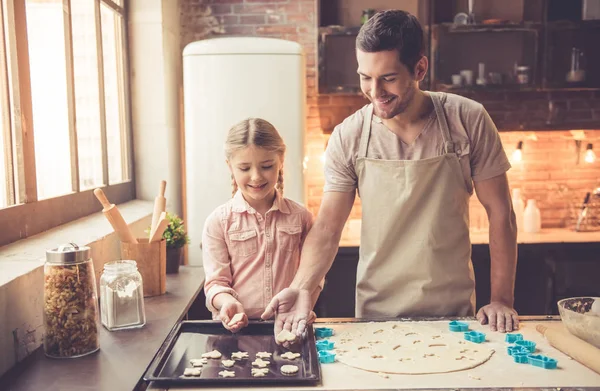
{"type": "Point", "coordinates": [405, 348]}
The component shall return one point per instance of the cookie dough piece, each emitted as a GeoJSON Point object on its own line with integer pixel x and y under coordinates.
{"type": "Point", "coordinates": [214, 354]}
{"type": "Point", "coordinates": [198, 362]}
{"type": "Point", "coordinates": [290, 355]}
{"type": "Point", "coordinates": [227, 373]}
{"type": "Point", "coordinates": [289, 369]}
{"type": "Point", "coordinates": [259, 372]}
{"type": "Point", "coordinates": [264, 355]}
{"type": "Point", "coordinates": [285, 336]}
{"type": "Point", "coordinates": [228, 363]}
{"type": "Point", "coordinates": [259, 362]}
{"type": "Point", "coordinates": [239, 355]}
{"type": "Point", "coordinates": [192, 372]}
{"type": "Point", "coordinates": [236, 318]}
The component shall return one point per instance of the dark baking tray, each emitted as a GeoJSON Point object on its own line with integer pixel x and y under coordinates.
{"type": "Point", "coordinates": [189, 339]}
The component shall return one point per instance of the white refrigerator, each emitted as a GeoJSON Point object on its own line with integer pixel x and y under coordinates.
{"type": "Point", "coordinates": [225, 81]}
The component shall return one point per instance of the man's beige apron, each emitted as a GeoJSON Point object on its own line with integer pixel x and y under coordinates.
{"type": "Point", "coordinates": [415, 251]}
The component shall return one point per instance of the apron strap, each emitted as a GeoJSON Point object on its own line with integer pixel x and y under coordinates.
{"type": "Point", "coordinates": [437, 103]}
{"type": "Point", "coordinates": [366, 132]}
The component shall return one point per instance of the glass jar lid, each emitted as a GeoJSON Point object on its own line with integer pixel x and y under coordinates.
{"type": "Point", "coordinates": [120, 267]}
{"type": "Point", "coordinates": [68, 253]}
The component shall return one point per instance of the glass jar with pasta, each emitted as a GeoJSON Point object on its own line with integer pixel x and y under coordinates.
{"type": "Point", "coordinates": [70, 303]}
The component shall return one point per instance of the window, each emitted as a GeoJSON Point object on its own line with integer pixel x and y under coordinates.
{"type": "Point", "coordinates": [64, 118]}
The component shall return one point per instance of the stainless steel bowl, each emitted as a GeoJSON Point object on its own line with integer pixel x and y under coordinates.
{"type": "Point", "coordinates": [580, 319]}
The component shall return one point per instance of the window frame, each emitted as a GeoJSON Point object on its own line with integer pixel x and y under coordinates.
{"type": "Point", "coordinates": [27, 215]}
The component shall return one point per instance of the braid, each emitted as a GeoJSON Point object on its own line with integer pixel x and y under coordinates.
{"type": "Point", "coordinates": [234, 186]}
{"type": "Point", "coordinates": [280, 181]}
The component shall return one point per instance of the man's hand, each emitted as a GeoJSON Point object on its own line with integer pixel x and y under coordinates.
{"type": "Point", "coordinates": [291, 308]}
{"type": "Point", "coordinates": [228, 310]}
{"type": "Point", "coordinates": [499, 316]}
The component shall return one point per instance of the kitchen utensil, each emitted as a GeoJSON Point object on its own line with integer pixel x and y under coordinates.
{"type": "Point", "coordinates": [160, 203]}
{"type": "Point", "coordinates": [114, 217]}
{"type": "Point", "coordinates": [481, 76]}
{"type": "Point", "coordinates": [577, 71]}
{"type": "Point", "coordinates": [456, 80]}
{"type": "Point", "coordinates": [572, 346]}
{"type": "Point", "coordinates": [190, 339]}
{"type": "Point", "coordinates": [163, 222]}
{"type": "Point", "coordinates": [151, 259]}
{"type": "Point", "coordinates": [583, 211]}
{"type": "Point", "coordinates": [467, 76]}
{"type": "Point", "coordinates": [578, 317]}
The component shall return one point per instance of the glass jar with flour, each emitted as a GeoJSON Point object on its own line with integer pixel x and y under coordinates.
{"type": "Point", "coordinates": [121, 296]}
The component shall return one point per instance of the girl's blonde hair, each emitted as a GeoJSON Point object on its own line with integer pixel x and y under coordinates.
{"type": "Point", "coordinates": [258, 132]}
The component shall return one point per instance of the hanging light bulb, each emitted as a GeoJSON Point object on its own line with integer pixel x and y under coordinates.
{"type": "Point", "coordinates": [590, 156]}
{"type": "Point", "coordinates": [517, 155]}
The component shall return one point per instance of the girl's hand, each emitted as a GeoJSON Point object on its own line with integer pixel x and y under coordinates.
{"type": "Point", "coordinates": [228, 310]}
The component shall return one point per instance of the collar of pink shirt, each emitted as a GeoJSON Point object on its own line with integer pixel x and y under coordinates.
{"type": "Point", "coordinates": [240, 205]}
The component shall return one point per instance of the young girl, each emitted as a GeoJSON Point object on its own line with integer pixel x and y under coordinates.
{"type": "Point", "coordinates": [251, 244]}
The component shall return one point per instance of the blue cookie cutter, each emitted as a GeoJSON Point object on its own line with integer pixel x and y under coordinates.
{"type": "Point", "coordinates": [515, 349]}
{"type": "Point", "coordinates": [325, 344]}
{"type": "Point", "coordinates": [512, 338]}
{"type": "Point", "coordinates": [458, 326]}
{"type": "Point", "coordinates": [475, 336]}
{"type": "Point", "coordinates": [542, 361]}
{"type": "Point", "coordinates": [521, 358]}
{"type": "Point", "coordinates": [529, 345]}
{"type": "Point", "coordinates": [322, 332]}
{"type": "Point", "coordinates": [326, 357]}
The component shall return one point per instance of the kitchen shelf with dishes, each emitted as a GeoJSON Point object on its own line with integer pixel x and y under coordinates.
{"type": "Point", "coordinates": [545, 46]}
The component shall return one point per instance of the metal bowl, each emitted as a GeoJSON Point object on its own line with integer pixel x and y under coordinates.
{"type": "Point", "coordinates": [579, 318]}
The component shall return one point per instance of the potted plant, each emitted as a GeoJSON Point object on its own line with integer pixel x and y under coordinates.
{"type": "Point", "coordinates": [176, 238]}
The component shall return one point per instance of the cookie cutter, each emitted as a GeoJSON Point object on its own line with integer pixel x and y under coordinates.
{"type": "Point", "coordinates": [455, 325]}
{"type": "Point", "coordinates": [325, 344]}
{"type": "Point", "coordinates": [521, 358]}
{"type": "Point", "coordinates": [516, 349]}
{"type": "Point", "coordinates": [512, 338]}
{"type": "Point", "coordinates": [541, 361]}
{"type": "Point", "coordinates": [326, 357]}
{"type": "Point", "coordinates": [322, 332]}
{"type": "Point", "coordinates": [475, 336]}
{"type": "Point", "coordinates": [529, 345]}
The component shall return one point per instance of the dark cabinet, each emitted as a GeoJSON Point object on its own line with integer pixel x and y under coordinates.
{"type": "Point", "coordinates": [546, 273]}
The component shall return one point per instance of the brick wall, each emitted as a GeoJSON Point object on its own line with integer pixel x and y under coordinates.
{"type": "Point", "coordinates": [548, 171]}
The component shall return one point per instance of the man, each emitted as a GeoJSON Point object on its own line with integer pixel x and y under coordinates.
{"type": "Point", "coordinates": [414, 158]}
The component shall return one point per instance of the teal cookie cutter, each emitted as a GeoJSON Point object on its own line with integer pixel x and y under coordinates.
{"type": "Point", "coordinates": [326, 357]}
{"type": "Point", "coordinates": [323, 332]}
{"type": "Point", "coordinates": [475, 336]}
{"type": "Point", "coordinates": [458, 326]}
{"type": "Point", "coordinates": [529, 345]}
{"type": "Point", "coordinates": [325, 344]}
{"type": "Point", "coordinates": [512, 338]}
{"type": "Point", "coordinates": [542, 361]}
{"type": "Point", "coordinates": [515, 349]}
{"type": "Point", "coordinates": [521, 358]}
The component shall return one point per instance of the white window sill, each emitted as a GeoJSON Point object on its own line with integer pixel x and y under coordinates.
{"type": "Point", "coordinates": [22, 275]}
{"type": "Point", "coordinates": [24, 256]}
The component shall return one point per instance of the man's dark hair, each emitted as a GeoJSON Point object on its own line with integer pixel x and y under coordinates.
{"type": "Point", "coordinates": [393, 29]}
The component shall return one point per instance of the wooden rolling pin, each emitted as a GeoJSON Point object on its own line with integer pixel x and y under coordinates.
{"type": "Point", "coordinates": [585, 353]}
{"type": "Point", "coordinates": [156, 235]}
{"type": "Point", "coordinates": [114, 218]}
{"type": "Point", "coordinates": [160, 203]}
